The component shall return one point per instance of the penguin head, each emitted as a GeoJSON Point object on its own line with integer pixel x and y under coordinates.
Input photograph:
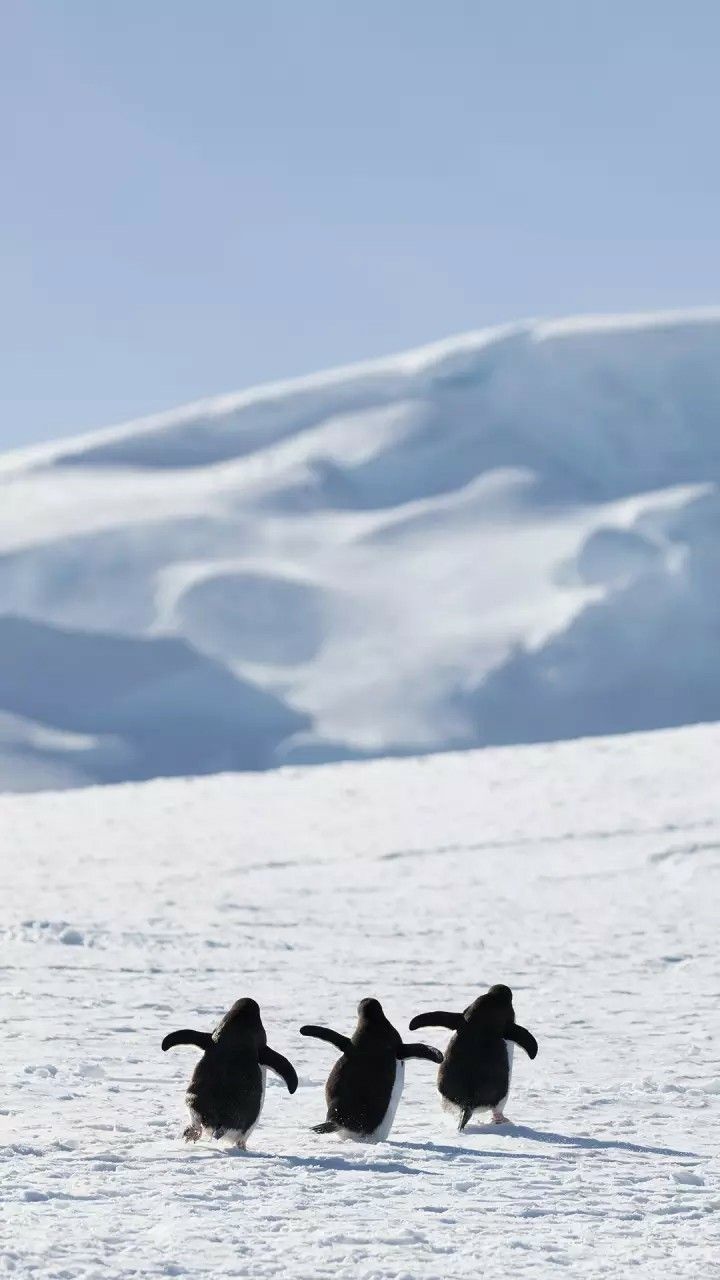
{"type": "Point", "coordinates": [493, 1010]}
{"type": "Point", "coordinates": [242, 1022]}
{"type": "Point", "coordinates": [500, 994]}
{"type": "Point", "coordinates": [370, 1010]}
{"type": "Point", "coordinates": [374, 1031]}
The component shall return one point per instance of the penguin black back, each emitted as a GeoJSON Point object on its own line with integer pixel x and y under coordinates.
{"type": "Point", "coordinates": [227, 1088]}
{"type": "Point", "coordinates": [475, 1071]}
{"type": "Point", "coordinates": [360, 1085]}
{"type": "Point", "coordinates": [365, 1084]}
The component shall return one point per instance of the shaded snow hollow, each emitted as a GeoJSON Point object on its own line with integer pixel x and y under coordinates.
{"type": "Point", "coordinates": [583, 874]}
{"type": "Point", "coordinates": [510, 536]}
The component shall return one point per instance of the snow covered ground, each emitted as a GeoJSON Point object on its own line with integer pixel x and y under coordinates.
{"type": "Point", "coordinates": [510, 536]}
{"type": "Point", "coordinates": [584, 874]}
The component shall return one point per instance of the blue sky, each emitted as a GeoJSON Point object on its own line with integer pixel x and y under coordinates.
{"type": "Point", "coordinates": [200, 196]}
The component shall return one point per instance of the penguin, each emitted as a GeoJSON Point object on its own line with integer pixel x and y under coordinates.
{"type": "Point", "coordinates": [477, 1066]}
{"type": "Point", "coordinates": [364, 1087]}
{"type": "Point", "coordinates": [227, 1088]}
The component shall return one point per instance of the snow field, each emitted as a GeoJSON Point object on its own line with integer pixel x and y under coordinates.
{"type": "Point", "coordinates": [583, 874]}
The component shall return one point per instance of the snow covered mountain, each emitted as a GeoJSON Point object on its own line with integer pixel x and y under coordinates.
{"type": "Point", "coordinates": [584, 874]}
{"type": "Point", "coordinates": [506, 537]}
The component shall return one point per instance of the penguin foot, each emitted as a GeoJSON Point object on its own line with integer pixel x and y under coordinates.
{"type": "Point", "coordinates": [499, 1118]}
{"type": "Point", "coordinates": [241, 1144]}
{"type": "Point", "coordinates": [193, 1133]}
{"type": "Point", "coordinates": [327, 1126]}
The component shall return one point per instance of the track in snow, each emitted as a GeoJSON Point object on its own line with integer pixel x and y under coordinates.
{"type": "Point", "coordinates": [583, 874]}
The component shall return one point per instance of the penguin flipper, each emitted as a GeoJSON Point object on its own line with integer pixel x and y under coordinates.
{"type": "Point", "coordinates": [439, 1018]}
{"type": "Point", "coordinates": [524, 1038]}
{"type": "Point", "coordinates": [343, 1043]}
{"type": "Point", "coordinates": [201, 1039]}
{"type": "Point", "coordinates": [425, 1051]}
{"type": "Point", "coordinates": [275, 1061]}
{"type": "Point", "coordinates": [327, 1126]}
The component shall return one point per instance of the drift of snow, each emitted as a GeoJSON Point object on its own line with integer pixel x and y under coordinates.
{"type": "Point", "coordinates": [506, 537]}
{"type": "Point", "coordinates": [583, 874]}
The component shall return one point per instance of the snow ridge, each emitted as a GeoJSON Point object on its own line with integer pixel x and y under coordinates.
{"type": "Point", "coordinates": [509, 536]}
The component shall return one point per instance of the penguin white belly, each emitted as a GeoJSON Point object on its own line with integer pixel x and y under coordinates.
{"type": "Point", "coordinates": [238, 1137]}
{"type": "Point", "coordinates": [380, 1133]}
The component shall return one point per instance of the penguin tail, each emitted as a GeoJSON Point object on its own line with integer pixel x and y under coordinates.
{"type": "Point", "coordinates": [327, 1126]}
{"type": "Point", "coordinates": [467, 1113]}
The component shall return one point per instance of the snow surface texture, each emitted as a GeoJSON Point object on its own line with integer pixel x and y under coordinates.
{"type": "Point", "coordinates": [507, 537]}
{"type": "Point", "coordinates": [583, 874]}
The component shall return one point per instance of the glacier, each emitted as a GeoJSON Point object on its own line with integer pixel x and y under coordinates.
{"type": "Point", "coordinates": [506, 537]}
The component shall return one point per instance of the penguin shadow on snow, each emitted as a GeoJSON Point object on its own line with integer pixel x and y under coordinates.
{"type": "Point", "coordinates": [463, 1152]}
{"type": "Point", "coordinates": [325, 1164]}
{"type": "Point", "coordinates": [578, 1142]}
{"type": "Point", "coordinates": [510, 1130]}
